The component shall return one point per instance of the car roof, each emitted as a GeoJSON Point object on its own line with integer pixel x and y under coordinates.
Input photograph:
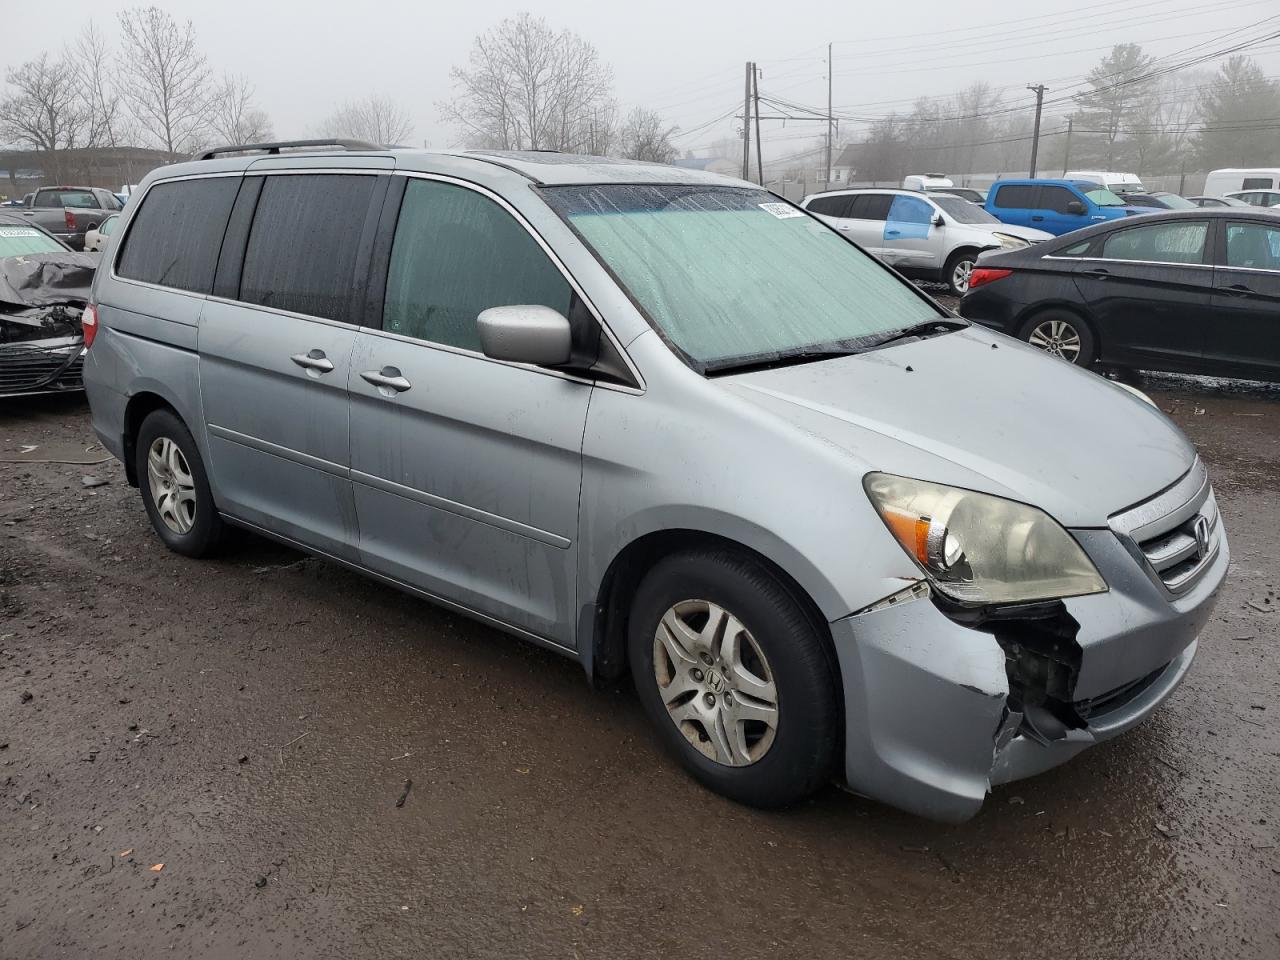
{"type": "Point", "coordinates": [1039, 181]}
{"type": "Point", "coordinates": [897, 191]}
{"type": "Point", "coordinates": [544, 168]}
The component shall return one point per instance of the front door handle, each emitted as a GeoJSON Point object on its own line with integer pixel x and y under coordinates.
{"type": "Point", "coordinates": [313, 361]}
{"type": "Point", "coordinates": [1097, 274]}
{"type": "Point", "coordinates": [388, 380]}
{"type": "Point", "coordinates": [1037, 218]}
{"type": "Point", "coordinates": [1237, 290]}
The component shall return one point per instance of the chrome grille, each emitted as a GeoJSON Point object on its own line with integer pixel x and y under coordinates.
{"type": "Point", "coordinates": [1176, 534]}
{"type": "Point", "coordinates": [26, 367]}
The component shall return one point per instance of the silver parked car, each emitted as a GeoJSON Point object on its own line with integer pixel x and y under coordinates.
{"type": "Point", "coordinates": [927, 236]}
{"type": "Point", "coordinates": [659, 421]}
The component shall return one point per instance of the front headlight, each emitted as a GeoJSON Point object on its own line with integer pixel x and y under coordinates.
{"type": "Point", "coordinates": [981, 549]}
{"type": "Point", "coordinates": [1010, 242]}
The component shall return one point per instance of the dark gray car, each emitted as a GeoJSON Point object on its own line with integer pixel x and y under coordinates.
{"type": "Point", "coordinates": [661, 421]}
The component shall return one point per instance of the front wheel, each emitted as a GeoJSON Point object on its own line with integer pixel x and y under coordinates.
{"type": "Point", "coordinates": [1061, 334]}
{"type": "Point", "coordinates": [958, 271]}
{"type": "Point", "coordinates": [735, 676]}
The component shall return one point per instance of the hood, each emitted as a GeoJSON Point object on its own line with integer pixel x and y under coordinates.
{"type": "Point", "coordinates": [978, 410]}
{"type": "Point", "coordinates": [1022, 233]}
{"type": "Point", "coordinates": [44, 279]}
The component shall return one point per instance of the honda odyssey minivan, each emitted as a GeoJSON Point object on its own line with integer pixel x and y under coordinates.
{"type": "Point", "coordinates": [661, 422]}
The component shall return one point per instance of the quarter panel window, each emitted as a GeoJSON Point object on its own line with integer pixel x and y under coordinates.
{"type": "Point", "coordinates": [1016, 196]}
{"type": "Point", "coordinates": [1158, 243]}
{"type": "Point", "coordinates": [173, 240]}
{"type": "Point", "coordinates": [1254, 246]}
{"type": "Point", "coordinates": [456, 253]}
{"type": "Point", "coordinates": [303, 244]}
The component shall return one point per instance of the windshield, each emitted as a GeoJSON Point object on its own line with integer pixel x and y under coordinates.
{"type": "Point", "coordinates": [17, 241]}
{"type": "Point", "coordinates": [962, 211]}
{"type": "Point", "coordinates": [1175, 202]}
{"type": "Point", "coordinates": [732, 276]}
{"type": "Point", "coordinates": [1103, 197]}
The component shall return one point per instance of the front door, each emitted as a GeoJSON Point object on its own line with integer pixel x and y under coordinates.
{"type": "Point", "coordinates": [912, 243]}
{"type": "Point", "coordinates": [1244, 333]}
{"type": "Point", "coordinates": [275, 355]}
{"type": "Point", "coordinates": [1061, 211]}
{"type": "Point", "coordinates": [1148, 290]}
{"type": "Point", "coordinates": [467, 470]}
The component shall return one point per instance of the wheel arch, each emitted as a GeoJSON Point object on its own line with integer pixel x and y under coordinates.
{"type": "Point", "coordinates": [141, 405]}
{"type": "Point", "coordinates": [1066, 306]}
{"type": "Point", "coordinates": [603, 625]}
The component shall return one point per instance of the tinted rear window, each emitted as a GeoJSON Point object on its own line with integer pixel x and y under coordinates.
{"type": "Point", "coordinates": [1016, 195]}
{"type": "Point", "coordinates": [82, 199]}
{"type": "Point", "coordinates": [830, 206]}
{"type": "Point", "coordinates": [303, 243]}
{"type": "Point", "coordinates": [174, 238]}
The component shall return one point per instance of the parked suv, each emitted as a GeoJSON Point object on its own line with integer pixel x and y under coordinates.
{"type": "Point", "coordinates": [657, 420]}
{"type": "Point", "coordinates": [926, 236]}
{"type": "Point", "coordinates": [1055, 206]}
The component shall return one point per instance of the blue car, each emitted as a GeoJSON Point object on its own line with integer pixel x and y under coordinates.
{"type": "Point", "coordinates": [1055, 206]}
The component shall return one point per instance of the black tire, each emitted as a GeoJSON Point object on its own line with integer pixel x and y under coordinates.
{"type": "Point", "coordinates": [949, 272]}
{"type": "Point", "coordinates": [206, 528]}
{"type": "Point", "coordinates": [801, 754]}
{"type": "Point", "coordinates": [1043, 321]}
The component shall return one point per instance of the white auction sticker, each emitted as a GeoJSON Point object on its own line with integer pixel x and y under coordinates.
{"type": "Point", "coordinates": [18, 232]}
{"type": "Point", "coordinates": [782, 211]}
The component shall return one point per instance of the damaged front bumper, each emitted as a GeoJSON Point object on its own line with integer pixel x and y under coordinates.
{"type": "Point", "coordinates": [32, 367]}
{"type": "Point", "coordinates": [940, 706]}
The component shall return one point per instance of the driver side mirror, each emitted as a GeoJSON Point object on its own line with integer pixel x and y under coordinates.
{"type": "Point", "coordinates": [1075, 207]}
{"type": "Point", "coordinates": [939, 220]}
{"type": "Point", "coordinates": [525, 333]}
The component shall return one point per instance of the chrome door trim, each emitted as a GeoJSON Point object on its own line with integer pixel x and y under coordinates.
{"type": "Point", "coordinates": [1141, 263]}
{"type": "Point", "coordinates": [461, 510]}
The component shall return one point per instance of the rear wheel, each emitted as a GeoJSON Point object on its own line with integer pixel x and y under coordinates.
{"type": "Point", "coordinates": [175, 487]}
{"type": "Point", "coordinates": [734, 675]}
{"type": "Point", "coordinates": [1061, 334]}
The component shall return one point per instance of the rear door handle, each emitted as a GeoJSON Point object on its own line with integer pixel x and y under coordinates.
{"type": "Point", "coordinates": [388, 380]}
{"type": "Point", "coordinates": [1097, 274]}
{"type": "Point", "coordinates": [313, 361]}
{"type": "Point", "coordinates": [1237, 290]}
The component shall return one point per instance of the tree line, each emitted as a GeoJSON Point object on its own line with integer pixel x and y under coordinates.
{"type": "Point", "coordinates": [1129, 115]}
{"type": "Point", "coordinates": [525, 86]}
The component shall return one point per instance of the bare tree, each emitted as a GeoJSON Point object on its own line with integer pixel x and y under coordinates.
{"type": "Point", "coordinates": [645, 136]}
{"type": "Point", "coordinates": [166, 79]}
{"type": "Point", "coordinates": [233, 116]}
{"type": "Point", "coordinates": [527, 86]}
{"type": "Point", "coordinates": [375, 119]}
{"type": "Point", "coordinates": [43, 113]}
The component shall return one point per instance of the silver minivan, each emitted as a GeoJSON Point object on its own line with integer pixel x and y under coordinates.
{"type": "Point", "coordinates": [664, 423]}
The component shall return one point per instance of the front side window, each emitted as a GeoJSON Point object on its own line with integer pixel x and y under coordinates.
{"type": "Point", "coordinates": [1016, 196]}
{"type": "Point", "coordinates": [302, 248]}
{"type": "Point", "coordinates": [909, 219]}
{"type": "Point", "coordinates": [456, 253]}
{"type": "Point", "coordinates": [174, 238]}
{"type": "Point", "coordinates": [1158, 243]}
{"type": "Point", "coordinates": [1253, 246]}
{"type": "Point", "coordinates": [1059, 199]}
{"type": "Point", "coordinates": [731, 277]}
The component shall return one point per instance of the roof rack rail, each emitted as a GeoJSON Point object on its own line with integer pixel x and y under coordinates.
{"type": "Point", "coordinates": [275, 148]}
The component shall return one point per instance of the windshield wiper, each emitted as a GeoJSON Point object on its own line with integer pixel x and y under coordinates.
{"type": "Point", "coordinates": [769, 361]}
{"type": "Point", "coordinates": [940, 325]}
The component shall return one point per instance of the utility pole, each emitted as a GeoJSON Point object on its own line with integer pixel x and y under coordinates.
{"type": "Point", "coordinates": [1039, 90]}
{"type": "Point", "coordinates": [1066, 155]}
{"type": "Point", "coordinates": [828, 184]}
{"type": "Point", "coordinates": [746, 123]}
{"type": "Point", "coordinates": [755, 92]}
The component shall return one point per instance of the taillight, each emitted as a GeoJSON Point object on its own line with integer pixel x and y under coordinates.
{"type": "Point", "coordinates": [70, 219]}
{"type": "Point", "coordinates": [89, 325]}
{"type": "Point", "coordinates": [984, 275]}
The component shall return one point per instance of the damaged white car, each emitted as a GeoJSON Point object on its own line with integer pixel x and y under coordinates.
{"type": "Point", "coordinates": [44, 286]}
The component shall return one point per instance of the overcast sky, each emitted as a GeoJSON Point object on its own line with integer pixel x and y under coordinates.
{"type": "Point", "coordinates": [681, 57]}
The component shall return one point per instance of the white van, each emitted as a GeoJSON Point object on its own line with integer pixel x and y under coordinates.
{"type": "Point", "coordinates": [1115, 182]}
{"type": "Point", "coordinates": [1233, 180]}
{"type": "Point", "coordinates": [926, 181]}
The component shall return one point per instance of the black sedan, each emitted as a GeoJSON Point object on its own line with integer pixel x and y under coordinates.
{"type": "Point", "coordinates": [1187, 291]}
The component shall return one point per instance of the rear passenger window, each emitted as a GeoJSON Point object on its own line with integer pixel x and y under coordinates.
{"type": "Point", "coordinates": [871, 206]}
{"type": "Point", "coordinates": [456, 253]}
{"type": "Point", "coordinates": [830, 206]}
{"type": "Point", "coordinates": [1253, 246]}
{"type": "Point", "coordinates": [1016, 196]}
{"type": "Point", "coordinates": [1158, 243]}
{"type": "Point", "coordinates": [303, 243]}
{"type": "Point", "coordinates": [173, 240]}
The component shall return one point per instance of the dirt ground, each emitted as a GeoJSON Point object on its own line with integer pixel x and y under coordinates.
{"type": "Point", "coordinates": [253, 724]}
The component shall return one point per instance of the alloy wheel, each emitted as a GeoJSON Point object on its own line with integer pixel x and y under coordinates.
{"type": "Point", "coordinates": [173, 488]}
{"type": "Point", "coordinates": [960, 276]}
{"type": "Point", "coordinates": [1057, 338]}
{"type": "Point", "coordinates": [715, 682]}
